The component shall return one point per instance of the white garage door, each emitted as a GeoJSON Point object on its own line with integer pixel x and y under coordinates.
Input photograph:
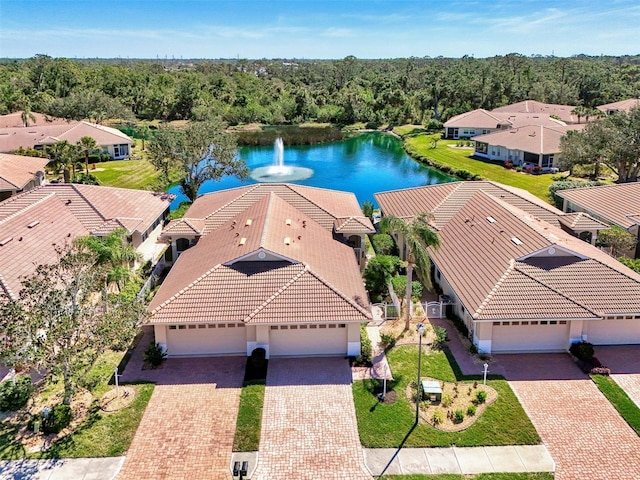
{"type": "Point", "coordinates": [531, 336]}
{"type": "Point", "coordinates": [206, 339]}
{"type": "Point", "coordinates": [308, 340]}
{"type": "Point", "coordinates": [613, 332]}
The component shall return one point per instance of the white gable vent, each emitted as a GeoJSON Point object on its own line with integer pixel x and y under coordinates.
{"type": "Point", "coordinates": [491, 220]}
{"type": "Point", "coordinates": [516, 240]}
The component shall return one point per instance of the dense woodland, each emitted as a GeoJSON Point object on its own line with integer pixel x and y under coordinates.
{"type": "Point", "coordinates": [347, 91]}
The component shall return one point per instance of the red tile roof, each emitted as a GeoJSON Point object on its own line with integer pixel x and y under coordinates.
{"type": "Point", "coordinates": [94, 205]}
{"type": "Point", "coordinates": [621, 106]}
{"type": "Point", "coordinates": [268, 263]}
{"type": "Point", "coordinates": [16, 171]}
{"type": "Point", "coordinates": [504, 263]}
{"type": "Point", "coordinates": [533, 106]}
{"type": "Point", "coordinates": [28, 137]}
{"type": "Point", "coordinates": [531, 138]}
{"type": "Point", "coordinates": [15, 120]}
{"type": "Point", "coordinates": [29, 238]}
{"type": "Point", "coordinates": [618, 204]}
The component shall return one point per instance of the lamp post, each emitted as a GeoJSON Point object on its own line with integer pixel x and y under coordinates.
{"type": "Point", "coordinates": [420, 329]}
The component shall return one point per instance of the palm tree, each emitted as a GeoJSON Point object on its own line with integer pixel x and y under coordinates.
{"type": "Point", "coordinates": [63, 157]}
{"type": "Point", "coordinates": [87, 145]}
{"type": "Point", "coordinates": [417, 235]}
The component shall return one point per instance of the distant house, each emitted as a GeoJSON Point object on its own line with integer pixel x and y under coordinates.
{"type": "Point", "coordinates": [19, 173]}
{"type": "Point", "coordinates": [516, 278]}
{"type": "Point", "coordinates": [481, 122]}
{"type": "Point", "coordinates": [561, 112]}
{"type": "Point", "coordinates": [617, 205]}
{"type": "Point", "coordinates": [33, 118]}
{"type": "Point", "coordinates": [34, 222]}
{"type": "Point", "coordinates": [621, 106]}
{"type": "Point", "coordinates": [531, 146]}
{"type": "Point", "coordinates": [271, 266]}
{"type": "Point", "coordinates": [111, 140]}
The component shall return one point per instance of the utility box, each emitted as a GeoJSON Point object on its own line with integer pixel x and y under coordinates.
{"type": "Point", "coordinates": [431, 390]}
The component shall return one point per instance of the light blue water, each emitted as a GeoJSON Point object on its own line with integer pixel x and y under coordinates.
{"type": "Point", "coordinates": [364, 165]}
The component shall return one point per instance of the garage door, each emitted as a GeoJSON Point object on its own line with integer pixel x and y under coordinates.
{"type": "Point", "coordinates": [308, 340]}
{"type": "Point", "coordinates": [531, 336]}
{"type": "Point", "coordinates": [206, 339]}
{"type": "Point", "coordinates": [613, 332]}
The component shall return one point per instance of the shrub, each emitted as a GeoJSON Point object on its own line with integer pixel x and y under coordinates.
{"type": "Point", "coordinates": [15, 394]}
{"type": "Point", "coordinates": [582, 351]}
{"type": "Point", "coordinates": [387, 341]}
{"type": "Point", "coordinates": [458, 416]}
{"type": "Point", "coordinates": [481, 396]}
{"type": "Point", "coordinates": [458, 322]}
{"type": "Point", "coordinates": [471, 410]}
{"type": "Point", "coordinates": [383, 244]}
{"type": "Point", "coordinates": [59, 417]}
{"type": "Point", "coordinates": [437, 417]}
{"type": "Point", "coordinates": [366, 350]}
{"type": "Point", "coordinates": [380, 269]}
{"type": "Point", "coordinates": [446, 400]}
{"type": "Point", "coordinates": [154, 354]}
{"type": "Point", "coordinates": [565, 185]}
{"type": "Point", "coordinates": [441, 335]}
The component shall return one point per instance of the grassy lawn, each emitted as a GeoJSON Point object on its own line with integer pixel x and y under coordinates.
{"type": "Point", "coordinates": [382, 425]}
{"type": "Point", "coordinates": [102, 434]}
{"type": "Point", "coordinates": [482, 476]}
{"type": "Point", "coordinates": [459, 158]}
{"type": "Point", "coordinates": [138, 174]}
{"type": "Point", "coordinates": [619, 399]}
{"type": "Point", "coordinates": [247, 437]}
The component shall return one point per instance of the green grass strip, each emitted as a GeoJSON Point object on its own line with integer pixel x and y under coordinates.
{"type": "Point", "coordinates": [247, 437]}
{"type": "Point", "coordinates": [482, 476]}
{"type": "Point", "coordinates": [619, 399]}
{"type": "Point", "coordinates": [386, 425]}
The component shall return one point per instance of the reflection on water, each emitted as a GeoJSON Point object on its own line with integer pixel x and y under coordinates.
{"type": "Point", "coordinates": [370, 163]}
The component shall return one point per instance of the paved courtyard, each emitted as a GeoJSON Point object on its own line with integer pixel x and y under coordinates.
{"type": "Point", "coordinates": [585, 435]}
{"type": "Point", "coordinates": [624, 362]}
{"type": "Point", "coordinates": [309, 425]}
{"type": "Point", "coordinates": [188, 427]}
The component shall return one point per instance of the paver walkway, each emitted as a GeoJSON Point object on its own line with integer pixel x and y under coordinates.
{"type": "Point", "coordinates": [624, 362]}
{"type": "Point", "coordinates": [188, 427]}
{"type": "Point", "coordinates": [585, 435]}
{"type": "Point", "coordinates": [309, 427]}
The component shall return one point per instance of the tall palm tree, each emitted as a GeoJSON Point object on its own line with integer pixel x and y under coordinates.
{"type": "Point", "coordinates": [87, 145]}
{"type": "Point", "coordinates": [417, 235]}
{"type": "Point", "coordinates": [63, 157]}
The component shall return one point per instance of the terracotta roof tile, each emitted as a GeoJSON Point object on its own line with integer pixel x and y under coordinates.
{"type": "Point", "coordinates": [533, 106]}
{"type": "Point", "coordinates": [16, 171]}
{"type": "Point", "coordinates": [357, 224]}
{"type": "Point", "coordinates": [581, 221]}
{"type": "Point", "coordinates": [618, 204]}
{"type": "Point", "coordinates": [190, 226]}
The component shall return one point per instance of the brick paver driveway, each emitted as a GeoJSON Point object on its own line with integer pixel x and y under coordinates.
{"type": "Point", "coordinates": [188, 427]}
{"type": "Point", "coordinates": [584, 434]}
{"type": "Point", "coordinates": [624, 362]}
{"type": "Point", "coordinates": [309, 425]}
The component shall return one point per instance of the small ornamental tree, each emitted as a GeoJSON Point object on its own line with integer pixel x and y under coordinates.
{"type": "Point", "coordinates": [59, 323]}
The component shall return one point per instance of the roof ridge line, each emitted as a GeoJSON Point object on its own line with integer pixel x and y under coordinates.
{"type": "Point", "coordinates": [265, 225]}
{"type": "Point", "coordinates": [496, 287]}
{"type": "Point", "coordinates": [290, 187]}
{"type": "Point", "coordinates": [330, 286]}
{"type": "Point", "coordinates": [555, 290]}
{"type": "Point", "coordinates": [250, 188]}
{"type": "Point", "coordinates": [184, 289]}
{"type": "Point", "coordinates": [75, 187]}
{"type": "Point", "coordinates": [277, 293]}
{"type": "Point", "coordinates": [27, 208]}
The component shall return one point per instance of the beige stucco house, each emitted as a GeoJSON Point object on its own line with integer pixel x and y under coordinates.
{"type": "Point", "coordinates": [272, 266]}
{"type": "Point", "coordinates": [519, 280]}
{"type": "Point", "coordinates": [39, 136]}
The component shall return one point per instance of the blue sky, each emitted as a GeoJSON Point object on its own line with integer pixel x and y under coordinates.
{"type": "Point", "coordinates": [316, 29]}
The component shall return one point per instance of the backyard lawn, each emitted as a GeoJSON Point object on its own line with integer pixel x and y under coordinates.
{"type": "Point", "coordinates": [459, 158]}
{"type": "Point", "coordinates": [137, 174]}
{"type": "Point", "coordinates": [390, 425]}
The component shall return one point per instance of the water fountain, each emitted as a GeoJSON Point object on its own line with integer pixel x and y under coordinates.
{"type": "Point", "coordinates": [278, 171]}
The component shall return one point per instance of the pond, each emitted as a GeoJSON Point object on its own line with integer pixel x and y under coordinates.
{"type": "Point", "coordinates": [370, 163]}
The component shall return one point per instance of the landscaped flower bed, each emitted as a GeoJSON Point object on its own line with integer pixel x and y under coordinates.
{"type": "Point", "coordinates": [461, 405]}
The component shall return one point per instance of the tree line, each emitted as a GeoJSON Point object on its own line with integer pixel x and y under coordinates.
{"type": "Point", "coordinates": [346, 91]}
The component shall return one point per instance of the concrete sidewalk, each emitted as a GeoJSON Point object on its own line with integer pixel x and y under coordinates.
{"type": "Point", "coordinates": [458, 460]}
{"type": "Point", "coordinates": [61, 469]}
